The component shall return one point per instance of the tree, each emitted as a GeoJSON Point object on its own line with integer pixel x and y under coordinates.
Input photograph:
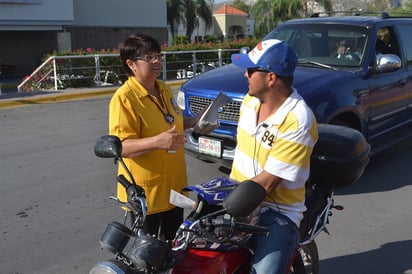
{"type": "Point", "coordinates": [187, 13]}
{"type": "Point", "coordinates": [174, 14]}
{"type": "Point", "coordinates": [240, 5]}
{"type": "Point", "coordinates": [269, 13]}
{"type": "Point", "coordinates": [327, 4]}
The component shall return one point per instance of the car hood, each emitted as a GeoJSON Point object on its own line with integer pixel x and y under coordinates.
{"type": "Point", "coordinates": [228, 79]}
{"type": "Point", "coordinates": [231, 79]}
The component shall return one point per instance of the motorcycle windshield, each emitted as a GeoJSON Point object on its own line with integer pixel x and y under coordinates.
{"type": "Point", "coordinates": [214, 191]}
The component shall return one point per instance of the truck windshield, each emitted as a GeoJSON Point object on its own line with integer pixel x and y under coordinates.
{"type": "Point", "coordinates": [332, 45]}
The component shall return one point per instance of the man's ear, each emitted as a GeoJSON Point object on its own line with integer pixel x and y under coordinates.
{"type": "Point", "coordinates": [271, 78]}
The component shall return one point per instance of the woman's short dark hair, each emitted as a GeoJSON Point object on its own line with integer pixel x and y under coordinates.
{"type": "Point", "coordinates": [137, 45]}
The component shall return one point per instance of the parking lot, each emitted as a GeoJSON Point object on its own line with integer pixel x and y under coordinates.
{"type": "Point", "coordinates": [54, 197]}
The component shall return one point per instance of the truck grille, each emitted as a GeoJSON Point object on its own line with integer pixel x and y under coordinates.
{"type": "Point", "coordinates": [230, 110]}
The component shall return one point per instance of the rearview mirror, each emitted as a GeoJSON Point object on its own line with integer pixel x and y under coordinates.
{"type": "Point", "coordinates": [244, 50]}
{"type": "Point", "coordinates": [108, 146]}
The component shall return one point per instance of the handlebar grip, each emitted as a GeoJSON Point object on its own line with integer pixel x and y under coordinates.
{"type": "Point", "coordinates": [237, 226]}
{"type": "Point", "coordinates": [136, 190]}
{"type": "Point", "coordinates": [123, 181]}
{"type": "Point", "coordinates": [254, 229]}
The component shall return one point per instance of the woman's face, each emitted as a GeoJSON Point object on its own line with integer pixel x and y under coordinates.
{"type": "Point", "coordinates": [147, 67]}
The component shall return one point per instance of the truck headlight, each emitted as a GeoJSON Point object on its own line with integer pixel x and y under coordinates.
{"type": "Point", "coordinates": [180, 99]}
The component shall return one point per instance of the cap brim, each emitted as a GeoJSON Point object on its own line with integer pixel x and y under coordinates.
{"type": "Point", "coordinates": [242, 60]}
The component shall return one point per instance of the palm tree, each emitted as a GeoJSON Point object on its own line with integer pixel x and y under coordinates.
{"type": "Point", "coordinates": [188, 12]}
{"type": "Point", "coordinates": [174, 14]}
{"type": "Point", "coordinates": [269, 13]}
{"type": "Point", "coordinates": [240, 5]}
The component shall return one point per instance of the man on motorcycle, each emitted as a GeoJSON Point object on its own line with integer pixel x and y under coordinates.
{"type": "Point", "coordinates": [275, 138]}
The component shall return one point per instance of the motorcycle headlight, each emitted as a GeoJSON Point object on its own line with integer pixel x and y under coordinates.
{"type": "Point", "coordinates": [147, 252]}
{"type": "Point", "coordinates": [115, 237]}
{"type": "Point", "coordinates": [109, 267]}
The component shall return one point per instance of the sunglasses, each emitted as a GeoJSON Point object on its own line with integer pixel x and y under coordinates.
{"type": "Point", "coordinates": [150, 57]}
{"type": "Point", "coordinates": [250, 71]}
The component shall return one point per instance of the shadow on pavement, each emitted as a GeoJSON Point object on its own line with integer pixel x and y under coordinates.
{"type": "Point", "coordinates": [374, 261]}
{"type": "Point", "coordinates": [387, 170]}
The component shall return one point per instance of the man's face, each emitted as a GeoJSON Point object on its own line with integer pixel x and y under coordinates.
{"type": "Point", "coordinates": [256, 81]}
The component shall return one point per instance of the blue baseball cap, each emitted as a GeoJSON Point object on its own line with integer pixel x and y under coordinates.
{"type": "Point", "coordinates": [270, 55]}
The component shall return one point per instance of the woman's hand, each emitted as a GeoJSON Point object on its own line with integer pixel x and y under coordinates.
{"type": "Point", "coordinates": [171, 140]}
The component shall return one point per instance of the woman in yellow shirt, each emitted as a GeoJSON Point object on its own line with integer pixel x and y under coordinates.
{"type": "Point", "coordinates": [145, 116]}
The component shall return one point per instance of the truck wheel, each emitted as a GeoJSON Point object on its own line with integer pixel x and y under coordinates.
{"type": "Point", "coordinates": [339, 122]}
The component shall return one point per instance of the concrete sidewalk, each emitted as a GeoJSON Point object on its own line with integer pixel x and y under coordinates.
{"type": "Point", "coordinates": [15, 99]}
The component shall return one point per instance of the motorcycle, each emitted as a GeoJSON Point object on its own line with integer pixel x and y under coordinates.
{"type": "Point", "coordinates": [214, 236]}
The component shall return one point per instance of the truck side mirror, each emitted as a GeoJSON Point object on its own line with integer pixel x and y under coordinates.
{"type": "Point", "coordinates": [387, 62]}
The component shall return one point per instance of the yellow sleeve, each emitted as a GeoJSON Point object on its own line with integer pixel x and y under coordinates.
{"type": "Point", "coordinates": [123, 122]}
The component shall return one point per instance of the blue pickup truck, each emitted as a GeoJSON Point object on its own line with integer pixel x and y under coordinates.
{"type": "Point", "coordinates": [354, 71]}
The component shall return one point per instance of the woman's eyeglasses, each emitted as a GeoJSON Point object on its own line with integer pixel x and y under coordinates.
{"type": "Point", "coordinates": [150, 57]}
{"type": "Point", "coordinates": [250, 71]}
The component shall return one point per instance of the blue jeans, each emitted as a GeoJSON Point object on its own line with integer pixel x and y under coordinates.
{"type": "Point", "coordinates": [274, 253]}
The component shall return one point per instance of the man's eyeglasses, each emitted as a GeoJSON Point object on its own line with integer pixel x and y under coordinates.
{"type": "Point", "coordinates": [250, 71]}
{"type": "Point", "coordinates": [150, 57]}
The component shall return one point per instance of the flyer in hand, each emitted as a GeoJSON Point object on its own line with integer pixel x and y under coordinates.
{"type": "Point", "coordinates": [210, 118]}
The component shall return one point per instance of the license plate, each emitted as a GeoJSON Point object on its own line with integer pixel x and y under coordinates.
{"type": "Point", "coordinates": [210, 146]}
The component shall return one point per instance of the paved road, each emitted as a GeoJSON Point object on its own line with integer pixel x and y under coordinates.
{"type": "Point", "coordinates": [54, 205]}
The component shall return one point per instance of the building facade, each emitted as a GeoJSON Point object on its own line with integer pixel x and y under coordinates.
{"type": "Point", "coordinates": [228, 23]}
{"type": "Point", "coordinates": [29, 29]}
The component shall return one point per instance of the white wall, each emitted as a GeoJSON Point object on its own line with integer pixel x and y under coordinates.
{"type": "Point", "coordinates": [199, 31]}
{"type": "Point", "coordinates": [53, 14]}
{"type": "Point", "coordinates": [38, 15]}
{"type": "Point", "coordinates": [49, 25]}
{"type": "Point", "coordinates": [120, 13]}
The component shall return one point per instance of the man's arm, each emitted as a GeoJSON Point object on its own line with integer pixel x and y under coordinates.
{"type": "Point", "coordinates": [267, 180]}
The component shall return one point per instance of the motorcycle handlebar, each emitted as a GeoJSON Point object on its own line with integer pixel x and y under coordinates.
{"type": "Point", "coordinates": [238, 226]}
{"type": "Point", "coordinates": [136, 197]}
{"type": "Point", "coordinates": [254, 229]}
{"type": "Point", "coordinates": [135, 191]}
{"type": "Point", "coordinates": [123, 181]}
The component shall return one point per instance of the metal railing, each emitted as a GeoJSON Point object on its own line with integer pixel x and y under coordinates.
{"type": "Point", "coordinates": [96, 70]}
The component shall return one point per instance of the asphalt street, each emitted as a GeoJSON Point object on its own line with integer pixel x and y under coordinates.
{"type": "Point", "coordinates": [54, 196]}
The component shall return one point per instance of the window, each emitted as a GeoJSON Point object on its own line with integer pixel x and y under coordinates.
{"type": "Point", "coordinates": [386, 42]}
{"type": "Point", "coordinates": [406, 39]}
{"type": "Point", "coordinates": [321, 42]}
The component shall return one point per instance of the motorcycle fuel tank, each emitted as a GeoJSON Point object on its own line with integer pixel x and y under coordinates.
{"type": "Point", "coordinates": [199, 261]}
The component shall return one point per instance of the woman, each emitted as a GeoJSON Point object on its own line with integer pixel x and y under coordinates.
{"type": "Point", "coordinates": [145, 116]}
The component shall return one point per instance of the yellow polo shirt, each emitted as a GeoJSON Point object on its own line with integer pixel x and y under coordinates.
{"type": "Point", "coordinates": [134, 114]}
{"type": "Point", "coordinates": [282, 146]}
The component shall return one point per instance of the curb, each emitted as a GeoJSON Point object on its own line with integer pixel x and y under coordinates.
{"type": "Point", "coordinates": [54, 97]}
{"type": "Point", "coordinates": [22, 99]}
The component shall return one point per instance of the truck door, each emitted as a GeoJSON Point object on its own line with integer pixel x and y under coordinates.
{"type": "Point", "coordinates": [388, 97]}
{"type": "Point", "coordinates": [405, 37]}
